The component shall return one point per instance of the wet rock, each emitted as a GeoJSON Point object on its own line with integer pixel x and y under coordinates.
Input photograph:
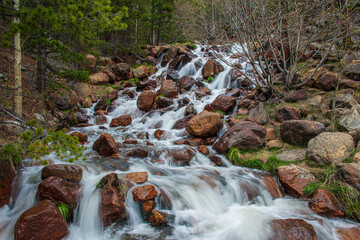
{"type": "Point", "coordinates": [80, 117]}
{"type": "Point", "coordinates": [294, 179]}
{"type": "Point", "coordinates": [158, 219]}
{"type": "Point", "coordinates": [112, 206]}
{"type": "Point", "coordinates": [146, 100]}
{"type": "Point", "coordinates": [146, 84]}
{"type": "Point", "coordinates": [139, 152]}
{"type": "Point", "coordinates": [164, 102]}
{"type": "Point", "coordinates": [326, 81]}
{"type": "Point", "coordinates": [58, 189]}
{"type": "Point", "coordinates": [243, 135]}
{"type": "Point", "coordinates": [144, 193]}
{"type": "Point", "coordinates": [351, 120]}
{"type": "Point", "coordinates": [168, 89]}
{"type": "Point", "coordinates": [130, 93]}
{"type": "Point", "coordinates": [294, 229]}
{"type": "Point", "coordinates": [222, 103]}
{"type": "Point", "coordinates": [211, 68]}
{"type": "Point", "coordinates": [297, 95]}
{"type": "Point", "coordinates": [203, 149]}
{"type": "Point", "coordinates": [287, 113]}
{"type": "Point", "coordinates": [123, 121]}
{"type": "Point", "coordinates": [194, 141]}
{"type": "Point", "coordinates": [99, 78]}
{"type": "Point", "coordinates": [273, 187]}
{"type": "Point", "coordinates": [190, 110]}
{"type": "Point", "coordinates": [121, 70]}
{"type": "Point", "coordinates": [216, 160]}
{"type": "Point", "coordinates": [101, 105]}
{"type": "Point", "coordinates": [169, 55]}
{"type": "Point", "coordinates": [183, 102]}
{"type": "Point", "coordinates": [202, 92]}
{"type": "Point", "coordinates": [330, 148]}
{"type": "Point", "coordinates": [100, 120]}
{"type": "Point", "coordinates": [182, 156]}
{"type": "Point", "coordinates": [349, 173]}
{"type": "Point", "coordinates": [42, 222]}
{"type": "Point", "coordinates": [181, 123]}
{"type": "Point", "coordinates": [325, 204]}
{"type": "Point", "coordinates": [7, 175]}
{"type": "Point", "coordinates": [105, 145]}
{"type": "Point", "coordinates": [204, 124]}
{"type": "Point", "coordinates": [259, 114]}
{"type": "Point", "coordinates": [185, 83]}
{"type": "Point", "coordinates": [292, 155]}
{"type": "Point", "coordinates": [349, 233]}
{"type": "Point", "coordinates": [82, 137]}
{"type": "Point", "coordinates": [148, 206]}
{"type": "Point", "coordinates": [110, 180]}
{"type": "Point", "coordinates": [137, 177]}
{"type": "Point", "coordinates": [131, 141]}
{"type": "Point", "coordinates": [300, 132]}
{"type": "Point", "coordinates": [159, 133]}
{"type": "Point", "coordinates": [71, 173]}
{"type": "Point", "coordinates": [141, 72]}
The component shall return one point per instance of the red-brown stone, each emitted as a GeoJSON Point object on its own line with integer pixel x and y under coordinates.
{"type": "Point", "coordinates": [144, 193]}
{"type": "Point", "coordinates": [325, 204]}
{"type": "Point", "coordinates": [112, 206]}
{"type": "Point", "coordinates": [105, 145]}
{"type": "Point", "coordinates": [123, 121]}
{"type": "Point", "coordinates": [203, 149]}
{"type": "Point", "coordinates": [137, 177]}
{"type": "Point", "coordinates": [146, 100]}
{"type": "Point", "coordinates": [65, 171]}
{"type": "Point", "coordinates": [7, 175]}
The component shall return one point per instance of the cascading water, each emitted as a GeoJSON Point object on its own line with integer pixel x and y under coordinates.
{"type": "Point", "coordinates": [206, 201]}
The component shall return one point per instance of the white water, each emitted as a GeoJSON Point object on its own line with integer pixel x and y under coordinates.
{"type": "Point", "coordinates": [207, 202]}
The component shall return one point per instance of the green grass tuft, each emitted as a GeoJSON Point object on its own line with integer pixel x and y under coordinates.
{"type": "Point", "coordinates": [64, 210]}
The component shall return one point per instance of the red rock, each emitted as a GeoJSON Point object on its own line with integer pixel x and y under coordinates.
{"type": "Point", "coordinates": [179, 142]}
{"type": "Point", "coordinates": [42, 222]}
{"type": "Point", "coordinates": [270, 134]}
{"type": "Point", "coordinates": [148, 206]}
{"type": "Point", "coordinates": [294, 179]}
{"type": "Point", "coordinates": [123, 121]}
{"type": "Point", "coordinates": [144, 193]}
{"type": "Point", "coordinates": [82, 137]}
{"type": "Point", "coordinates": [347, 83]}
{"type": "Point", "coordinates": [294, 229]}
{"type": "Point", "coordinates": [181, 123]}
{"type": "Point", "coordinates": [185, 83]}
{"type": "Point", "coordinates": [111, 76]}
{"type": "Point", "coordinates": [130, 141]}
{"type": "Point", "coordinates": [102, 105]}
{"type": "Point", "coordinates": [297, 95]}
{"type": "Point", "coordinates": [244, 135]}
{"type": "Point", "coordinates": [273, 187]}
{"type": "Point", "coordinates": [211, 68]}
{"type": "Point", "coordinates": [101, 112]}
{"type": "Point", "coordinates": [121, 70]}
{"type": "Point", "coordinates": [137, 177]}
{"type": "Point", "coordinates": [288, 113]}
{"type": "Point", "coordinates": [216, 160]}
{"type": "Point", "coordinates": [65, 171]}
{"type": "Point", "coordinates": [112, 206]}
{"type": "Point", "coordinates": [203, 149]}
{"type": "Point", "coordinates": [242, 112]}
{"type": "Point", "coordinates": [326, 81]}
{"type": "Point", "coordinates": [127, 84]}
{"type": "Point", "coordinates": [349, 233]}
{"type": "Point", "coordinates": [163, 102]}
{"type": "Point", "coordinates": [299, 132]}
{"type": "Point", "coordinates": [190, 110]}
{"type": "Point", "coordinates": [105, 145]}
{"type": "Point", "coordinates": [210, 141]}
{"type": "Point", "coordinates": [194, 141]}
{"type": "Point", "coordinates": [325, 204]}
{"type": "Point", "coordinates": [146, 100]}
{"type": "Point", "coordinates": [168, 89]}
{"type": "Point", "coordinates": [159, 161]}
{"type": "Point", "coordinates": [158, 219]}
{"type": "Point", "coordinates": [139, 152]}
{"type": "Point", "coordinates": [58, 189]}
{"type": "Point", "coordinates": [141, 72]}
{"type": "Point", "coordinates": [99, 78]}
{"type": "Point", "coordinates": [7, 175]}
{"type": "Point", "coordinates": [100, 120]}
{"type": "Point", "coordinates": [204, 124]}
{"type": "Point", "coordinates": [222, 103]}
{"type": "Point", "coordinates": [349, 173]}
{"type": "Point", "coordinates": [159, 133]}
{"type": "Point", "coordinates": [182, 156]}
{"type": "Point", "coordinates": [149, 144]}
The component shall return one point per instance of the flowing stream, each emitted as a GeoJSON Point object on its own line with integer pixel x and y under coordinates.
{"type": "Point", "coordinates": [207, 202]}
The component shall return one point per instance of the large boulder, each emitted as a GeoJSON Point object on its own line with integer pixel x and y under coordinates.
{"type": "Point", "coordinates": [330, 148]}
{"type": "Point", "coordinates": [294, 179]}
{"type": "Point", "coordinates": [350, 174]}
{"type": "Point", "coordinates": [244, 135]}
{"type": "Point", "coordinates": [222, 103]}
{"type": "Point", "coordinates": [259, 114]}
{"type": "Point", "coordinates": [287, 113]}
{"type": "Point", "coordinates": [123, 121]}
{"type": "Point", "coordinates": [299, 132]}
{"type": "Point", "coordinates": [121, 70]}
{"type": "Point", "coordinates": [42, 222]}
{"type": "Point", "coordinates": [58, 189]}
{"type": "Point", "coordinates": [112, 206]}
{"type": "Point", "coordinates": [168, 89]}
{"type": "Point", "coordinates": [211, 68]}
{"type": "Point", "coordinates": [105, 145]}
{"type": "Point", "coordinates": [7, 175]}
{"type": "Point", "coordinates": [82, 89]}
{"type": "Point", "coordinates": [185, 83]}
{"type": "Point", "coordinates": [146, 100]}
{"type": "Point", "coordinates": [325, 204]}
{"type": "Point", "coordinates": [99, 78]}
{"type": "Point", "coordinates": [71, 173]}
{"type": "Point", "coordinates": [351, 120]}
{"type": "Point", "coordinates": [141, 72]}
{"type": "Point", "coordinates": [293, 229]}
{"type": "Point", "coordinates": [204, 124]}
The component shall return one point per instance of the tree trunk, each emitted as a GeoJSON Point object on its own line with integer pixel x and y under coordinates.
{"type": "Point", "coordinates": [17, 67]}
{"type": "Point", "coordinates": [41, 70]}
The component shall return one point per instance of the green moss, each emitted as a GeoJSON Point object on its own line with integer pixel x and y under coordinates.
{"type": "Point", "coordinates": [64, 210]}
{"type": "Point", "coordinates": [209, 79]}
{"type": "Point", "coordinates": [221, 112]}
